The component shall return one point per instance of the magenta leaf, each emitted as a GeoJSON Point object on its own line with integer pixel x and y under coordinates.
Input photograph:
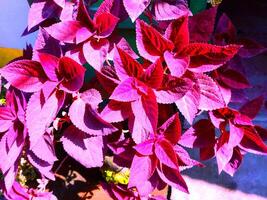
{"type": "Point", "coordinates": [41, 111]}
{"type": "Point", "coordinates": [26, 75]}
{"type": "Point", "coordinates": [85, 118]}
{"type": "Point", "coordinates": [87, 150]}
{"type": "Point", "coordinates": [145, 120]}
{"type": "Point", "coordinates": [165, 153]}
{"type": "Point", "coordinates": [92, 97]}
{"type": "Point", "coordinates": [135, 8]}
{"type": "Point", "coordinates": [223, 156]}
{"type": "Point", "coordinates": [145, 148]}
{"type": "Point", "coordinates": [142, 169]}
{"type": "Point", "coordinates": [6, 118]}
{"type": "Point", "coordinates": [236, 135]}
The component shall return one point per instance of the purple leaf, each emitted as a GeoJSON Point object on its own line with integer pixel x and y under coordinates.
{"type": "Point", "coordinates": [201, 25]}
{"type": "Point", "coordinates": [44, 149]}
{"type": "Point", "coordinates": [252, 108]}
{"type": "Point", "coordinates": [85, 118]}
{"type": "Point", "coordinates": [135, 8]}
{"type": "Point", "coordinates": [25, 75]}
{"type": "Point", "coordinates": [40, 11]}
{"type": "Point", "coordinates": [83, 148]}
{"type": "Point", "coordinates": [43, 167]}
{"type": "Point", "coordinates": [6, 119]}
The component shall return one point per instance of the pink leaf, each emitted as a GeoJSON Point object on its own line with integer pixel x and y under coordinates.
{"type": "Point", "coordinates": [142, 169]}
{"type": "Point", "coordinates": [210, 94]}
{"type": "Point", "coordinates": [127, 91]}
{"type": "Point", "coordinates": [135, 8]}
{"type": "Point", "coordinates": [189, 103]}
{"type": "Point", "coordinates": [92, 97]}
{"type": "Point", "coordinates": [95, 52]}
{"type": "Point", "coordinates": [145, 120]}
{"type": "Point", "coordinates": [116, 111]}
{"type": "Point", "coordinates": [236, 135]}
{"type": "Point", "coordinates": [177, 66]}
{"type": "Point", "coordinates": [6, 119]}
{"type": "Point", "coordinates": [167, 11]}
{"type": "Point", "coordinates": [178, 33]}
{"type": "Point", "coordinates": [85, 118]}
{"type": "Point", "coordinates": [165, 153]}
{"type": "Point", "coordinates": [86, 150]}
{"type": "Point", "coordinates": [150, 43]}
{"type": "Point", "coordinates": [145, 148]}
{"type": "Point", "coordinates": [26, 75]}
{"type": "Point", "coordinates": [234, 163]}
{"type": "Point", "coordinates": [223, 156]}
{"type": "Point", "coordinates": [65, 31]}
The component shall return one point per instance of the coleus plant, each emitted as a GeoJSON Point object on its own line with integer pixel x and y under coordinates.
{"type": "Point", "coordinates": [130, 110]}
